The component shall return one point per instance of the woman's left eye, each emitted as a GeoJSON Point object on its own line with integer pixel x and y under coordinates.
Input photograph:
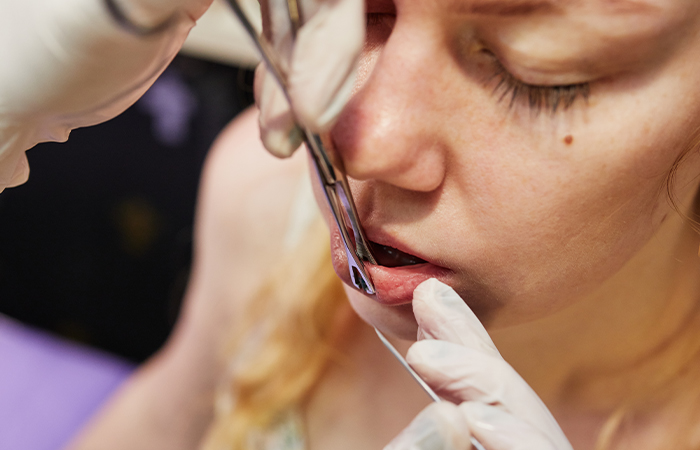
{"type": "Point", "coordinates": [537, 97]}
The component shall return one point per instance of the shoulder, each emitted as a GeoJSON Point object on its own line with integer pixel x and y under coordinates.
{"type": "Point", "coordinates": [245, 193]}
{"type": "Point", "coordinates": [243, 211]}
{"type": "Point", "coordinates": [238, 160]}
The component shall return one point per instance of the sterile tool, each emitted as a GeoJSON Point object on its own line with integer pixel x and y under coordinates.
{"type": "Point", "coordinates": [335, 184]}
{"type": "Point", "coordinates": [336, 188]}
{"type": "Point", "coordinates": [476, 444]}
{"type": "Point", "coordinates": [428, 390]}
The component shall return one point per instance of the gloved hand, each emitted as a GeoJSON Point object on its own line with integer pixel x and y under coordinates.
{"type": "Point", "coordinates": [487, 398]}
{"type": "Point", "coordinates": [66, 64]}
{"type": "Point", "coordinates": [320, 65]}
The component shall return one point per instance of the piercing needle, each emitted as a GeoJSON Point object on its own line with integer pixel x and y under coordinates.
{"type": "Point", "coordinates": [418, 379]}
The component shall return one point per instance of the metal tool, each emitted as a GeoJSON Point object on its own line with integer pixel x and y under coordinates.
{"type": "Point", "coordinates": [428, 390]}
{"type": "Point", "coordinates": [334, 182]}
{"type": "Point", "coordinates": [476, 444]}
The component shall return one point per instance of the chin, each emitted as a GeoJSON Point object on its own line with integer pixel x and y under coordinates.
{"type": "Point", "coordinates": [394, 321]}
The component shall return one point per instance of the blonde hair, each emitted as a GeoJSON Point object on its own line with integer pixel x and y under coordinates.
{"type": "Point", "coordinates": [283, 345]}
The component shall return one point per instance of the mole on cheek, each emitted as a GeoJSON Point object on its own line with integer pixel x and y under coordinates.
{"type": "Point", "coordinates": [568, 139]}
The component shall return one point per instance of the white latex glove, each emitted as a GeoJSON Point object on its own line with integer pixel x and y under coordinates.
{"type": "Point", "coordinates": [66, 64]}
{"type": "Point", "coordinates": [320, 65]}
{"type": "Point", "coordinates": [490, 401]}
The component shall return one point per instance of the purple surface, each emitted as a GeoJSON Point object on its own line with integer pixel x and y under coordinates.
{"type": "Point", "coordinates": [49, 387]}
{"type": "Point", "coordinates": [172, 106]}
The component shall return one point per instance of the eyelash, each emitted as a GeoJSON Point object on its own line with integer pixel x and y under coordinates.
{"type": "Point", "coordinates": [536, 97]}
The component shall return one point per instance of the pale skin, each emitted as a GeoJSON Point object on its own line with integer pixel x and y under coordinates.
{"type": "Point", "coordinates": [540, 220]}
{"type": "Point", "coordinates": [555, 225]}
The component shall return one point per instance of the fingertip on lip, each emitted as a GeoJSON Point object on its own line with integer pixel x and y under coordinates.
{"type": "Point", "coordinates": [428, 286]}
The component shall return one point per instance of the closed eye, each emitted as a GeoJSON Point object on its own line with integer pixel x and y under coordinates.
{"type": "Point", "coordinates": [536, 97]}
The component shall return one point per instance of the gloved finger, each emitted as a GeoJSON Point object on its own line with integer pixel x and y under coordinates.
{"type": "Point", "coordinates": [496, 429]}
{"type": "Point", "coordinates": [277, 29]}
{"type": "Point", "coordinates": [322, 73]}
{"type": "Point", "coordinates": [462, 374]}
{"type": "Point", "coordinates": [442, 314]}
{"type": "Point", "coordinates": [278, 131]}
{"type": "Point", "coordinates": [440, 426]}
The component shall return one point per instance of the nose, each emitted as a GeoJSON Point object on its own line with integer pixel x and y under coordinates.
{"type": "Point", "coordinates": [390, 130]}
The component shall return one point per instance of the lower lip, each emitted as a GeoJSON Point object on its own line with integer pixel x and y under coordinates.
{"type": "Point", "coordinates": [394, 285]}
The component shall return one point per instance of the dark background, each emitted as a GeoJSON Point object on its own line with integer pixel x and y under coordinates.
{"type": "Point", "coordinates": [97, 245]}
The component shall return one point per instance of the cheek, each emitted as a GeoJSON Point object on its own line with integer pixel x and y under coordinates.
{"type": "Point", "coordinates": [544, 221]}
{"type": "Point", "coordinates": [542, 248]}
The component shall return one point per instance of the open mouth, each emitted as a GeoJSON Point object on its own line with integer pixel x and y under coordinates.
{"type": "Point", "coordinates": [391, 257]}
{"type": "Point", "coordinates": [395, 275]}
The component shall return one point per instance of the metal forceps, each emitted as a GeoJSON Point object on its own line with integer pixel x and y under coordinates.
{"type": "Point", "coordinates": [335, 184]}
{"type": "Point", "coordinates": [336, 189]}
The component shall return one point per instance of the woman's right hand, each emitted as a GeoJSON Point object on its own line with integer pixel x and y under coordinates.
{"type": "Point", "coordinates": [487, 399]}
{"type": "Point", "coordinates": [320, 63]}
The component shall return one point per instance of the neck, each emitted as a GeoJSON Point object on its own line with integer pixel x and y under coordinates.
{"type": "Point", "coordinates": [603, 349]}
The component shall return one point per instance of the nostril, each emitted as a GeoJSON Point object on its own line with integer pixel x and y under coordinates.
{"type": "Point", "coordinates": [332, 151]}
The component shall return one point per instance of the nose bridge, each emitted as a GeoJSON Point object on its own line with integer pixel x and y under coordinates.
{"type": "Point", "coordinates": [389, 131]}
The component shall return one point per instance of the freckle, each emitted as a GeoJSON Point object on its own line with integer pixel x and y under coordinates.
{"type": "Point", "coordinates": [568, 139]}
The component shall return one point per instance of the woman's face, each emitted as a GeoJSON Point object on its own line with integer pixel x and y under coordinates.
{"type": "Point", "coordinates": [520, 147]}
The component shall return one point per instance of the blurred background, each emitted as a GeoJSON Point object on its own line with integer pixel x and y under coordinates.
{"type": "Point", "coordinates": [96, 247]}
